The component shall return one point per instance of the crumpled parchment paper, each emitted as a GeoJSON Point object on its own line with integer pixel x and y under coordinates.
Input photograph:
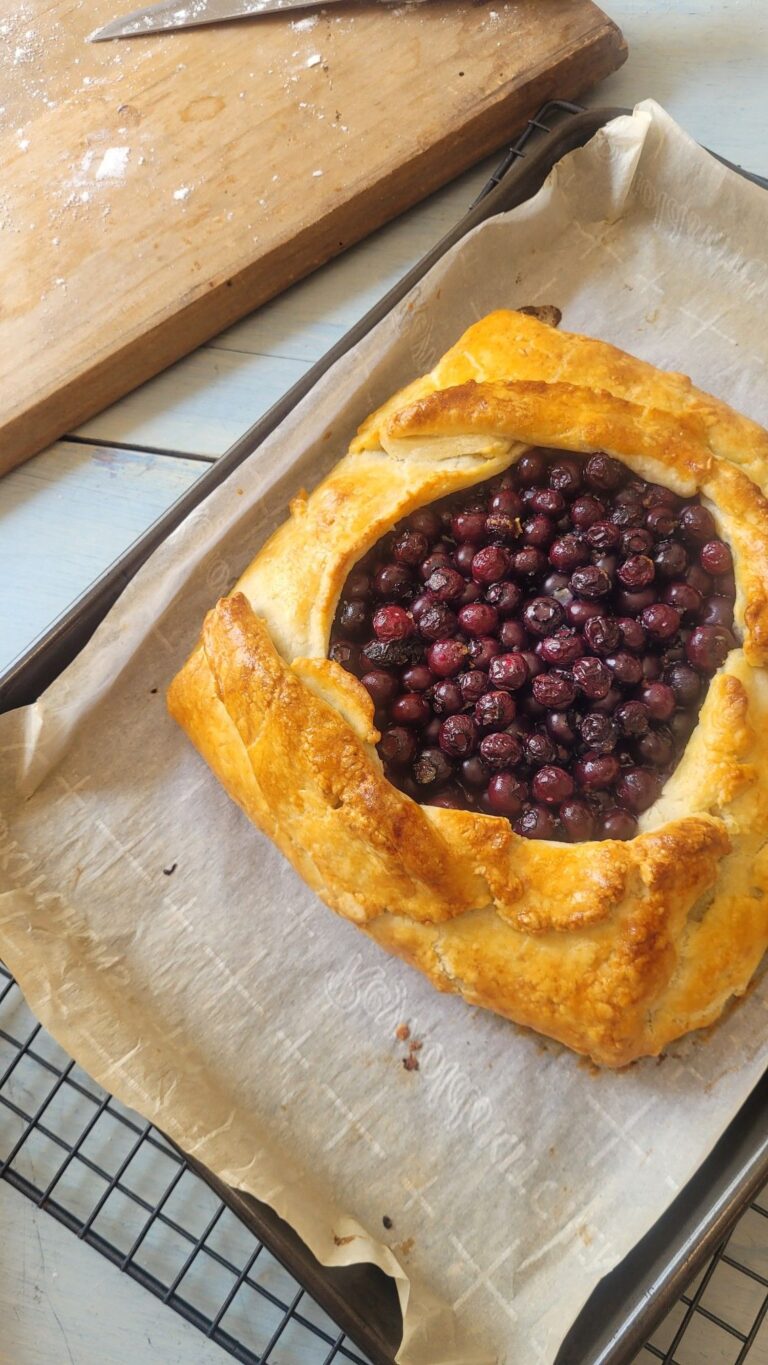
{"type": "Point", "coordinates": [168, 946]}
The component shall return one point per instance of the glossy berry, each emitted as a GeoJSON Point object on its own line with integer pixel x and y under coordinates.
{"type": "Point", "coordinates": [505, 597]}
{"type": "Point", "coordinates": [397, 746]}
{"type": "Point", "coordinates": [463, 556]}
{"type": "Point", "coordinates": [358, 585]}
{"type": "Point", "coordinates": [437, 622]}
{"type": "Point", "coordinates": [604, 473]}
{"type": "Point", "coordinates": [655, 747]}
{"type": "Point", "coordinates": [531, 468]}
{"type": "Point", "coordinates": [602, 634]}
{"type": "Point", "coordinates": [670, 559]}
{"type": "Point", "coordinates": [478, 618]}
{"type": "Point", "coordinates": [626, 667]}
{"type": "Point", "coordinates": [579, 611]}
{"type": "Point", "coordinates": [616, 823]}
{"type": "Point", "coordinates": [540, 748]}
{"type": "Point", "coordinates": [418, 678]}
{"type": "Point", "coordinates": [513, 635]}
{"type": "Point", "coordinates": [469, 526]}
{"type": "Point", "coordinates": [529, 562]}
{"type": "Point", "coordinates": [715, 558]}
{"type": "Point", "coordinates": [660, 520]}
{"type": "Point", "coordinates": [458, 736]}
{"type": "Point", "coordinates": [604, 536]}
{"type": "Point", "coordinates": [474, 772]}
{"type": "Point", "coordinates": [392, 623]}
{"type": "Point", "coordinates": [425, 520]}
{"type": "Point", "coordinates": [590, 581]}
{"type": "Point", "coordinates": [472, 684]}
{"type": "Point", "coordinates": [596, 772]}
{"type": "Point", "coordinates": [494, 710]}
{"type": "Point", "coordinates": [430, 767]}
{"type": "Point", "coordinates": [592, 677]}
{"type": "Point", "coordinates": [599, 732]}
{"type": "Point", "coordinates": [410, 547]}
{"type": "Point", "coordinates": [633, 636]}
{"type": "Point", "coordinates": [659, 700]}
{"type": "Point", "coordinates": [509, 672]}
{"type": "Point", "coordinates": [697, 524]}
{"type": "Point", "coordinates": [481, 650]}
{"type": "Point", "coordinates": [500, 527]}
{"type": "Point", "coordinates": [410, 709]}
{"type": "Point", "coordinates": [717, 611]}
{"type": "Point", "coordinates": [577, 821]}
{"type": "Point", "coordinates": [556, 691]}
{"type": "Point", "coordinates": [636, 572]}
{"type": "Point", "coordinates": [345, 653]}
{"type": "Point", "coordinates": [685, 684]}
{"type": "Point", "coordinates": [552, 785]}
{"type": "Point", "coordinates": [507, 500]}
{"type": "Point", "coordinates": [500, 750]}
{"type": "Point", "coordinates": [637, 789]}
{"type": "Point", "coordinates": [661, 621]}
{"type": "Point", "coordinates": [380, 686]}
{"type": "Point", "coordinates": [565, 477]}
{"type": "Point", "coordinates": [506, 794]}
{"type": "Point", "coordinates": [684, 598]}
{"type": "Point", "coordinates": [542, 615]}
{"type": "Point", "coordinates": [707, 647]}
{"type": "Point", "coordinates": [539, 531]}
{"type": "Point", "coordinates": [353, 618]}
{"type": "Point", "coordinates": [548, 502]}
{"type": "Point", "coordinates": [393, 580]}
{"type": "Point", "coordinates": [491, 564]}
{"type": "Point", "coordinates": [536, 822]}
{"type": "Point", "coordinates": [446, 657]}
{"type": "Point", "coordinates": [633, 718]}
{"type": "Point", "coordinates": [447, 584]}
{"type": "Point", "coordinates": [586, 510]}
{"type": "Point", "coordinates": [568, 553]}
{"type": "Point", "coordinates": [561, 649]}
{"type": "Point", "coordinates": [445, 698]}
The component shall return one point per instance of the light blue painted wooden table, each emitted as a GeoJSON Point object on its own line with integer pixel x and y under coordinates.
{"type": "Point", "coordinates": [68, 513]}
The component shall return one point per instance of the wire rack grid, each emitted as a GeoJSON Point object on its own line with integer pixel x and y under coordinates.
{"type": "Point", "coordinates": [115, 1182]}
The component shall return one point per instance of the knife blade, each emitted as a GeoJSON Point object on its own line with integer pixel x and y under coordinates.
{"type": "Point", "coordinates": [175, 14]}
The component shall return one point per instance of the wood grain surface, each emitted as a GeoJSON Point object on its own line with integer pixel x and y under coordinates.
{"type": "Point", "coordinates": [156, 189]}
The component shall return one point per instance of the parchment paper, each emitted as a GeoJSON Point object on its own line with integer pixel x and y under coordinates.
{"type": "Point", "coordinates": [173, 952]}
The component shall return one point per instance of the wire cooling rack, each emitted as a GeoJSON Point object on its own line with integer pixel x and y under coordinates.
{"type": "Point", "coordinates": [115, 1182]}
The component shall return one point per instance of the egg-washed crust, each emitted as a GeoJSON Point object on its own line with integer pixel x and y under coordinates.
{"type": "Point", "coordinates": [613, 948]}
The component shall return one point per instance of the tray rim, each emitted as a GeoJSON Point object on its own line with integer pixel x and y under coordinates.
{"type": "Point", "coordinates": [715, 1197]}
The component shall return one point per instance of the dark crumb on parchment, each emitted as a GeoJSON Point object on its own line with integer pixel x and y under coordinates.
{"type": "Point", "coordinates": [387, 1221]}
{"type": "Point", "coordinates": [153, 691]}
{"type": "Point", "coordinates": [410, 1062]}
{"type": "Point", "coordinates": [169, 871]}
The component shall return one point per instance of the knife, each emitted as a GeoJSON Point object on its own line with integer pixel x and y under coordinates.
{"type": "Point", "coordinates": [174, 14]}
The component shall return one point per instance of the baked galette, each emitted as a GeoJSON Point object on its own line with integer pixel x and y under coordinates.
{"type": "Point", "coordinates": [497, 688]}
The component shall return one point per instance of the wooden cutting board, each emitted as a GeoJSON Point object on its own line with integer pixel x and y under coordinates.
{"type": "Point", "coordinates": [156, 189]}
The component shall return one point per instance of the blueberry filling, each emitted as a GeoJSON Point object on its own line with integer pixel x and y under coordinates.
{"type": "Point", "coordinates": [539, 646]}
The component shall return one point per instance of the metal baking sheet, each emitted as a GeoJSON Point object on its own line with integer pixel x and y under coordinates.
{"type": "Point", "coordinates": [628, 1303]}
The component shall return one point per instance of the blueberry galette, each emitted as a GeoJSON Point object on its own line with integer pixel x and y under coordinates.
{"type": "Point", "coordinates": [498, 688]}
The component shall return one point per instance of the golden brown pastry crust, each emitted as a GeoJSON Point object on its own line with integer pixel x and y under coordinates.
{"type": "Point", "coordinates": [613, 948]}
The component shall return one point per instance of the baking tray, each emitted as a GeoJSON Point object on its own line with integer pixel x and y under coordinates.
{"type": "Point", "coordinates": [624, 1309]}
